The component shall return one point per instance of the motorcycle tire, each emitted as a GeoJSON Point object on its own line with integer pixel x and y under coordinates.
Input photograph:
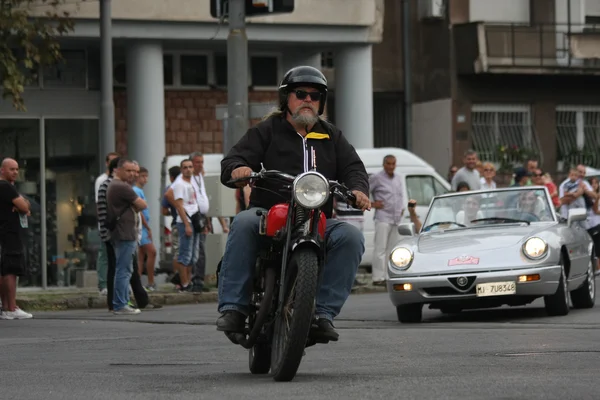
{"type": "Point", "coordinates": [301, 291]}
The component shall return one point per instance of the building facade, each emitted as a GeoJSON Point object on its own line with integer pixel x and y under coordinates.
{"type": "Point", "coordinates": [170, 74]}
{"type": "Point", "coordinates": [509, 78]}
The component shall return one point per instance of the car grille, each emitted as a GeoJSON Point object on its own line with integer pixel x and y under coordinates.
{"type": "Point", "coordinates": [446, 291]}
{"type": "Point", "coordinates": [455, 289]}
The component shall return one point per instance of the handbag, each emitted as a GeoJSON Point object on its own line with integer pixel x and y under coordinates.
{"type": "Point", "coordinates": [198, 221]}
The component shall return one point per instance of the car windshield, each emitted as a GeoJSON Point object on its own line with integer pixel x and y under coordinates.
{"type": "Point", "coordinates": [486, 207]}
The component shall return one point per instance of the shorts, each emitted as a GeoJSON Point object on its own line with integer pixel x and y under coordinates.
{"type": "Point", "coordinates": [12, 257]}
{"type": "Point", "coordinates": [174, 241]}
{"type": "Point", "coordinates": [145, 238]}
{"type": "Point", "coordinates": [189, 247]}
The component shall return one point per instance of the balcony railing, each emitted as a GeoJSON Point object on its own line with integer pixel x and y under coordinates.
{"type": "Point", "coordinates": [541, 47]}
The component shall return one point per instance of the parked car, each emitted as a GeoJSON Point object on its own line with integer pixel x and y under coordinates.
{"type": "Point", "coordinates": [490, 248]}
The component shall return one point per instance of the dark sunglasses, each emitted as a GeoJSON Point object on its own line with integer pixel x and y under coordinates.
{"type": "Point", "coordinates": [538, 175]}
{"type": "Point", "coordinates": [488, 170]}
{"type": "Point", "coordinates": [301, 95]}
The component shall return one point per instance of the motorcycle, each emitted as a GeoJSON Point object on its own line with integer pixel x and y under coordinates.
{"type": "Point", "coordinates": [287, 272]}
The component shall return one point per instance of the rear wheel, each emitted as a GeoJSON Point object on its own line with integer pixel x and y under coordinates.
{"type": "Point", "coordinates": [292, 326]}
{"type": "Point", "coordinates": [585, 295]}
{"type": "Point", "coordinates": [558, 303]}
{"type": "Point", "coordinates": [410, 313]}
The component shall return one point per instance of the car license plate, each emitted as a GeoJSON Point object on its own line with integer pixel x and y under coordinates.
{"type": "Point", "coordinates": [496, 289]}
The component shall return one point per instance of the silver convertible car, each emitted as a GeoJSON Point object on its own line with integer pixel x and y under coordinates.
{"type": "Point", "coordinates": [489, 248]}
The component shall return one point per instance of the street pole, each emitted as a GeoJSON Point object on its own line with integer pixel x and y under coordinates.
{"type": "Point", "coordinates": [407, 76]}
{"type": "Point", "coordinates": [237, 75]}
{"type": "Point", "coordinates": [107, 105]}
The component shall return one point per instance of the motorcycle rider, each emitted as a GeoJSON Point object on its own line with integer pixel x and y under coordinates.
{"type": "Point", "coordinates": [292, 139]}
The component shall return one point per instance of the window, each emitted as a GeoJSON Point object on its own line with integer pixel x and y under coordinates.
{"type": "Point", "coordinates": [168, 69]}
{"type": "Point", "coordinates": [70, 73]}
{"type": "Point", "coordinates": [264, 71]}
{"type": "Point", "coordinates": [578, 134]}
{"type": "Point", "coordinates": [327, 59]}
{"type": "Point", "coordinates": [502, 125]}
{"type": "Point", "coordinates": [422, 188]}
{"type": "Point", "coordinates": [221, 69]}
{"type": "Point", "coordinates": [194, 70]}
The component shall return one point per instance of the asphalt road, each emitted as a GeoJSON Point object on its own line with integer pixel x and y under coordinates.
{"type": "Point", "coordinates": [176, 353]}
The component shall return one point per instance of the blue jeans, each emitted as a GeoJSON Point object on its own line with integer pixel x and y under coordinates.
{"type": "Point", "coordinates": [345, 247]}
{"type": "Point", "coordinates": [189, 246]}
{"type": "Point", "coordinates": [124, 250]}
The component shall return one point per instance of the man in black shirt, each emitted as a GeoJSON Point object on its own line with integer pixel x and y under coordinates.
{"type": "Point", "coordinates": [285, 141]}
{"type": "Point", "coordinates": [14, 210]}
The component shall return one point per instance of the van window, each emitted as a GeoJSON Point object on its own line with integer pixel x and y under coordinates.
{"type": "Point", "coordinates": [422, 188]}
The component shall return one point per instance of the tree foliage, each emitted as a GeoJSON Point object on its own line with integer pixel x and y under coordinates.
{"type": "Point", "coordinates": [29, 32]}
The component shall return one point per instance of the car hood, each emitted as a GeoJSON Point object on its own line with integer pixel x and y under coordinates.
{"type": "Point", "coordinates": [476, 239]}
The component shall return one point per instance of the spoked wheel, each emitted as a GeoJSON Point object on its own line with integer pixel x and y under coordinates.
{"type": "Point", "coordinates": [292, 326]}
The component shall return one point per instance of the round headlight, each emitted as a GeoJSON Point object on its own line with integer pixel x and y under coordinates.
{"type": "Point", "coordinates": [535, 248]}
{"type": "Point", "coordinates": [401, 258]}
{"type": "Point", "coordinates": [311, 190]}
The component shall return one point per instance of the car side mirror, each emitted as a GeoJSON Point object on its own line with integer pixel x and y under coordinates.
{"type": "Point", "coordinates": [576, 215]}
{"type": "Point", "coordinates": [406, 229]}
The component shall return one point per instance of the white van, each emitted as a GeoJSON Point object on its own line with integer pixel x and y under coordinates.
{"type": "Point", "coordinates": [420, 180]}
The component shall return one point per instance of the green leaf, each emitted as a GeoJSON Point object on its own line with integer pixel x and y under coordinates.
{"type": "Point", "coordinates": [26, 44]}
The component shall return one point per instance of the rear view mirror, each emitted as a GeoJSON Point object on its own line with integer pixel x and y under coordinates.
{"type": "Point", "coordinates": [406, 229]}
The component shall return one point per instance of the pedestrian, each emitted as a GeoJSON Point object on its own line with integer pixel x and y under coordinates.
{"type": "Point", "coordinates": [122, 208]}
{"type": "Point", "coordinates": [387, 192]}
{"type": "Point", "coordinates": [468, 173]}
{"type": "Point", "coordinates": [168, 209]}
{"type": "Point", "coordinates": [102, 259]}
{"type": "Point", "coordinates": [14, 210]}
{"type": "Point", "coordinates": [197, 182]}
{"type": "Point", "coordinates": [141, 297]}
{"type": "Point", "coordinates": [190, 223]}
{"type": "Point", "coordinates": [489, 173]}
{"type": "Point", "coordinates": [147, 251]}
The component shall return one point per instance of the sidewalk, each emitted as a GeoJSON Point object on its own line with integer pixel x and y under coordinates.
{"type": "Point", "coordinates": [57, 299]}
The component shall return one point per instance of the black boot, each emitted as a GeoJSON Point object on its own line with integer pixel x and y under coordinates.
{"type": "Point", "coordinates": [322, 331]}
{"type": "Point", "coordinates": [231, 321]}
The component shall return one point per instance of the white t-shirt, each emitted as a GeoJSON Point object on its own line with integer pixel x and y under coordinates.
{"type": "Point", "coordinates": [99, 181]}
{"type": "Point", "coordinates": [198, 185]}
{"type": "Point", "coordinates": [184, 190]}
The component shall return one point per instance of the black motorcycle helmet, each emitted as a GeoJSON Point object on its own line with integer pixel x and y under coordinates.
{"type": "Point", "coordinates": [302, 76]}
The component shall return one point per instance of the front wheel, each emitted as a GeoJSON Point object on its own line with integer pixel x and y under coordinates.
{"type": "Point", "coordinates": [292, 326]}
{"type": "Point", "coordinates": [410, 313]}
{"type": "Point", "coordinates": [558, 303]}
{"type": "Point", "coordinates": [585, 295]}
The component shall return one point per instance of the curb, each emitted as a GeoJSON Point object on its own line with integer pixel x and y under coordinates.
{"type": "Point", "coordinates": [88, 301]}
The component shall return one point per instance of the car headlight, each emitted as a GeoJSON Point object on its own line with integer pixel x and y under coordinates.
{"type": "Point", "coordinates": [535, 248]}
{"type": "Point", "coordinates": [401, 258]}
{"type": "Point", "coordinates": [311, 190]}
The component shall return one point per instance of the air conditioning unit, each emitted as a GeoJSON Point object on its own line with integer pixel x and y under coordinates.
{"type": "Point", "coordinates": [432, 9]}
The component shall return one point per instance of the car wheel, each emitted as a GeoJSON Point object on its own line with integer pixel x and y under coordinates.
{"type": "Point", "coordinates": [585, 295]}
{"type": "Point", "coordinates": [410, 313]}
{"type": "Point", "coordinates": [558, 303]}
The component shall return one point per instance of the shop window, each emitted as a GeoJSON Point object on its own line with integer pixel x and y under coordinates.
{"type": "Point", "coordinates": [221, 70]}
{"type": "Point", "coordinates": [264, 71]}
{"type": "Point", "coordinates": [71, 72]}
{"type": "Point", "coordinates": [194, 70]}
